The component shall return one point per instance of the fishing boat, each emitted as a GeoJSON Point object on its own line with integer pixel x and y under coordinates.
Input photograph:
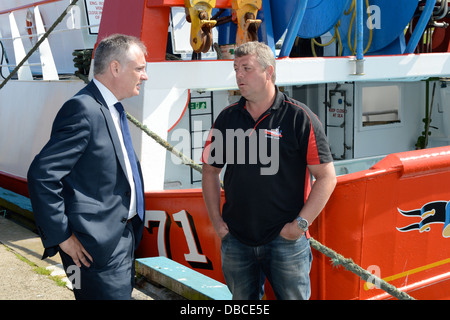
{"type": "Point", "coordinates": [374, 71]}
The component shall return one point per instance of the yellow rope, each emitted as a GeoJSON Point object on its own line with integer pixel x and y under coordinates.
{"type": "Point", "coordinates": [352, 10]}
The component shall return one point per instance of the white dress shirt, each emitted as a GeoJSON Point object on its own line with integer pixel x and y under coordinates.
{"type": "Point", "coordinates": [111, 100]}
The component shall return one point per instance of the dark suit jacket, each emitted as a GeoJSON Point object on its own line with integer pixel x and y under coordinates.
{"type": "Point", "coordinates": [78, 182]}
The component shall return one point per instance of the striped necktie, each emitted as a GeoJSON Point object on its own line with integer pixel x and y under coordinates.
{"type": "Point", "coordinates": [131, 156]}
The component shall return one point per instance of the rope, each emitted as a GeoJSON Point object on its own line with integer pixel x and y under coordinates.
{"type": "Point", "coordinates": [185, 160]}
{"type": "Point", "coordinates": [38, 43]}
{"type": "Point", "coordinates": [336, 258]}
{"type": "Point", "coordinates": [365, 275]}
{"type": "Point", "coordinates": [352, 10]}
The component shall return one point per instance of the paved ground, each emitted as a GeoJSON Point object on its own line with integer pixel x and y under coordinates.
{"type": "Point", "coordinates": [20, 281]}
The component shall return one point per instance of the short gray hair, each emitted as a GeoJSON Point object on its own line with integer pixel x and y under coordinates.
{"type": "Point", "coordinates": [114, 47]}
{"type": "Point", "coordinates": [263, 53]}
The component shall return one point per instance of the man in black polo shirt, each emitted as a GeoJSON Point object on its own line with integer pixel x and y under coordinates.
{"type": "Point", "coordinates": [270, 144]}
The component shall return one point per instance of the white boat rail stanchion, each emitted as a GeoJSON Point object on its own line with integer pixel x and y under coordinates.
{"type": "Point", "coordinates": [24, 72]}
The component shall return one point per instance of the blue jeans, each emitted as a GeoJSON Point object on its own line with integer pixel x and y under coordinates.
{"type": "Point", "coordinates": [285, 263]}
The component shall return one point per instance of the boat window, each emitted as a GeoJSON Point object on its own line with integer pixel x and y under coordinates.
{"type": "Point", "coordinates": [381, 105]}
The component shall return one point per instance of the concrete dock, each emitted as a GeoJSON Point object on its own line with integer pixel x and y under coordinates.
{"type": "Point", "coordinates": [20, 255]}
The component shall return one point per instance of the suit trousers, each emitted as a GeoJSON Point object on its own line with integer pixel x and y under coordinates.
{"type": "Point", "coordinates": [113, 281]}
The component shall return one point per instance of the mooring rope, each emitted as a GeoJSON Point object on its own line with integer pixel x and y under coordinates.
{"type": "Point", "coordinates": [336, 258]}
{"type": "Point", "coordinates": [185, 160]}
{"type": "Point", "coordinates": [365, 275]}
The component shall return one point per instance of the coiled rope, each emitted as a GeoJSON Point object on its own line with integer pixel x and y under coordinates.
{"type": "Point", "coordinates": [336, 258]}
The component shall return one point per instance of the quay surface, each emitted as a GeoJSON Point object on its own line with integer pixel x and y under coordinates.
{"type": "Point", "coordinates": [20, 253]}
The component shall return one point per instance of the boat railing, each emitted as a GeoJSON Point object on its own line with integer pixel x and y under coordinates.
{"type": "Point", "coordinates": [21, 27]}
{"type": "Point", "coordinates": [343, 167]}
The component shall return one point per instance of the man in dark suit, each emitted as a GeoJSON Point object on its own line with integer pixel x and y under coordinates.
{"type": "Point", "coordinates": [86, 202]}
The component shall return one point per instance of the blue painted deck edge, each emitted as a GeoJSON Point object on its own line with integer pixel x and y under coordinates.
{"type": "Point", "coordinates": [17, 199]}
{"type": "Point", "coordinates": [189, 277]}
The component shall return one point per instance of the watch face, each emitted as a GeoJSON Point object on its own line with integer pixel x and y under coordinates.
{"type": "Point", "coordinates": [303, 224]}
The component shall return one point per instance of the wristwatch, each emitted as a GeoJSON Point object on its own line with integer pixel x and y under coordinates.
{"type": "Point", "coordinates": [302, 224]}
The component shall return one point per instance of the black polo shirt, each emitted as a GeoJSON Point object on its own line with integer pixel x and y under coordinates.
{"type": "Point", "coordinates": [266, 180]}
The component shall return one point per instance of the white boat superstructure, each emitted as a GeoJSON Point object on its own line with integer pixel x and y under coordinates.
{"type": "Point", "coordinates": [362, 113]}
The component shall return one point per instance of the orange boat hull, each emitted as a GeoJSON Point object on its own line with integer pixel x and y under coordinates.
{"type": "Point", "coordinates": [393, 220]}
{"type": "Point", "coordinates": [362, 221]}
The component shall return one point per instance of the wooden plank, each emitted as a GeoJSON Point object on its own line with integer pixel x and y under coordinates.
{"type": "Point", "coordinates": [182, 280]}
{"type": "Point", "coordinates": [18, 207]}
{"type": "Point", "coordinates": [16, 203]}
